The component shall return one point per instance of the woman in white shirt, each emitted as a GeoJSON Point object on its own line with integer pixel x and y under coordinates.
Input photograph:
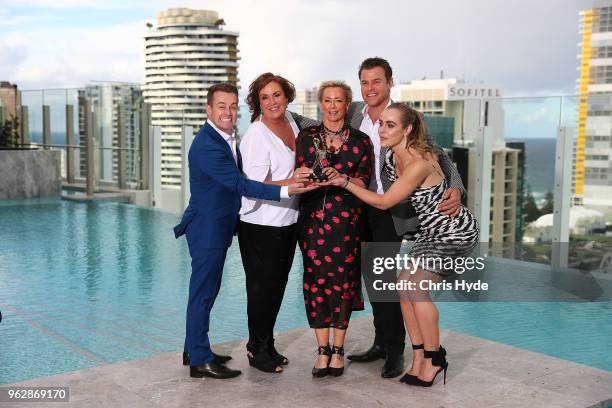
{"type": "Point", "coordinates": [267, 230]}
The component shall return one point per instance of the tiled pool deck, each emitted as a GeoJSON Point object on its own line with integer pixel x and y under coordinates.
{"type": "Point", "coordinates": [481, 373]}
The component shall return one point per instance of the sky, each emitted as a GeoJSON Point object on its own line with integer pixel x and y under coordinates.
{"type": "Point", "coordinates": [526, 47]}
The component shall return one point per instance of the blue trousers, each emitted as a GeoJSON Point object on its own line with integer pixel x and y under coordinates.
{"type": "Point", "coordinates": [206, 271]}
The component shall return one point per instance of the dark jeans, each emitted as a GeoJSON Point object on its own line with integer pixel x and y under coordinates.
{"type": "Point", "coordinates": [267, 255]}
{"type": "Point", "coordinates": [388, 320]}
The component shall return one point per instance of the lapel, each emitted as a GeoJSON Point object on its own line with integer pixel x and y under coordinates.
{"type": "Point", "coordinates": [239, 156]}
{"type": "Point", "coordinates": [224, 145]}
{"type": "Point", "coordinates": [357, 116]}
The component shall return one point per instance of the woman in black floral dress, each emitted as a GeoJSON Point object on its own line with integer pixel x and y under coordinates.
{"type": "Point", "coordinates": [330, 225]}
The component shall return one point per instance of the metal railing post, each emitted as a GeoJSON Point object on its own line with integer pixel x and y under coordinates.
{"type": "Point", "coordinates": [46, 125]}
{"type": "Point", "coordinates": [145, 123]}
{"type": "Point", "coordinates": [121, 154]}
{"type": "Point", "coordinates": [482, 198]}
{"type": "Point", "coordinates": [89, 157]}
{"type": "Point", "coordinates": [25, 126]}
{"type": "Point", "coordinates": [561, 202]}
{"type": "Point", "coordinates": [155, 166]}
{"type": "Point", "coordinates": [69, 142]}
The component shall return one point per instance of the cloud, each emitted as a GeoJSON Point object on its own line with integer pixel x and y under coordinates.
{"type": "Point", "coordinates": [535, 115]}
{"type": "Point", "coordinates": [510, 44]}
{"type": "Point", "coordinates": [67, 4]}
{"type": "Point", "coordinates": [73, 57]}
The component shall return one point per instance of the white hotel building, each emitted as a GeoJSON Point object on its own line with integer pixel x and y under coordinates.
{"type": "Point", "coordinates": [185, 54]}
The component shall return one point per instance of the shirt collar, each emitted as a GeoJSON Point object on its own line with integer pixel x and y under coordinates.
{"type": "Point", "coordinates": [364, 111]}
{"type": "Point", "coordinates": [222, 133]}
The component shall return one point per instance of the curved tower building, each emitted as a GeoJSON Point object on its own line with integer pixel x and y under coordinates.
{"type": "Point", "coordinates": [185, 54]}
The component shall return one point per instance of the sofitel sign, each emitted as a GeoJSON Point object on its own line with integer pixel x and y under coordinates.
{"type": "Point", "coordinates": [466, 92]}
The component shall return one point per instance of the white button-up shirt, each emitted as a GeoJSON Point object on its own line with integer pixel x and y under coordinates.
{"type": "Point", "coordinates": [371, 129]}
{"type": "Point", "coordinates": [265, 156]}
{"type": "Point", "coordinates": [230, 139]}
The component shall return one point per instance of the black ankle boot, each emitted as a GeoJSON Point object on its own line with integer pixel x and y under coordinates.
{"type": "Point", "coordinates": [407, 377]}
{"type": "Point", "coordinates": [263, 361]}
{"type": "Point", "coordinates": [336, 371]}
{"type": "Point", "coordinates": [322, 372]}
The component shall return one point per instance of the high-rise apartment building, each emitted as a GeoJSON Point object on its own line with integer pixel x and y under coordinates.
{"type": "Point", "coordinates": [10, 101]}
{"type": "Point", "coordinates": [185, 54]}
{"type": "Point", "coordinates": [109, 100]}
{"type": "Point", "coordinates": [592, 181]}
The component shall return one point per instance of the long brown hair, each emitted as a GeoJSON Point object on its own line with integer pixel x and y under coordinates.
{"type": "Point", "coordinates": [416, 139]}
{"type": "Point", "coordinates": [259, 83]}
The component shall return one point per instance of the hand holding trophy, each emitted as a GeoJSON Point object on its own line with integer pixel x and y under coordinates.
{"type": "Point", "coordinates": [320, 162]}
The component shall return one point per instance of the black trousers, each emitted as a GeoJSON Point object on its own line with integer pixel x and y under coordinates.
{"type": "Point", "coordinates": [267, 255]}
{"type": "Point", "coordinates": [388, 320]}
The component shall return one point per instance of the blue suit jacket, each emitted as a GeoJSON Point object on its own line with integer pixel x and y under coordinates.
{"type": "Point", "coordinates": [217, 186]}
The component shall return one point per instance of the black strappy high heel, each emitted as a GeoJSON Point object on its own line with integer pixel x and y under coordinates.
{"type": "Point", "coordinates": [322, 372]}
{"type": "Point", "coordinates": [405, 378]}
{"type": "Point", "coordinates": [336, 371]}
{"type": "Point", "coordinates": [438, 359]}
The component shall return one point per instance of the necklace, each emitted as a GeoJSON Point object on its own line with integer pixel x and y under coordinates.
{"type": "Point", "coordinates": [333, 132]}
{"type": "Point", "coordinates": [327, 137]}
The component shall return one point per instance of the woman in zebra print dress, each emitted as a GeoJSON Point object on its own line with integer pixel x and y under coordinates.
{"type": "Point", "coordinates": [417, 177]}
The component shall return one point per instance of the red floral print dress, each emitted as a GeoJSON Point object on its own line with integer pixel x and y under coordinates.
{"type": "Point", "coordinates": [330, 227]}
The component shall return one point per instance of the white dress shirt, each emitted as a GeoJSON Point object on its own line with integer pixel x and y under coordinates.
{"type": "Point", "coordinates": [231, 141]}
{"type": "Point", "coordinates": [265, 156]}
{"type": "Point", "coordinates": [371, 129]}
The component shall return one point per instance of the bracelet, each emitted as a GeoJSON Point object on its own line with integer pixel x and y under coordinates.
{"type": "Point", "coordinates": [347, 182]}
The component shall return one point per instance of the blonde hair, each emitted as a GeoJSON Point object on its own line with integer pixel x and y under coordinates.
{"type": "Point", "coordinates": [416, 139]}
{"type": "Point", "coordinates": [348, 93]}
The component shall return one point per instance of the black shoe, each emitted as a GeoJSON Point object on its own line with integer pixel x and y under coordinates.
{"type": "Point", "coordinates": [213, 370]}
{"type": "Point", "coordinates": [218, 358]}
{"type": "Point", "coordinates": [278, 357]}
{"type": "Point", "coordinates": [322, 372]}
{"type": "Point", "coordinates": [375, 352]}
{"type": "Point", "coordinates": [263, 361]}
{"type": "Point", "coordinates": [394, 366]}
{"type": "Point", "coordinates": [336, 371]}
{"type": "Point", "coordinates": [438, 359]}
{"type": "Point", "coordinates": [409, 378]}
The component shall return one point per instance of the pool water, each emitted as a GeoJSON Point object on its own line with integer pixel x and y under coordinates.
{"type": "Point", "coordinates": [88, 284]}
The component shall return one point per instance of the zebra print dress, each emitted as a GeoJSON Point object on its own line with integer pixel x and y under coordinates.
{"type": "Point", "coordinates": [441, 238]}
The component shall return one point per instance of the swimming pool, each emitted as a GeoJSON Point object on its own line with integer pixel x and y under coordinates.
{"type": "Point", "coordinates": [88, 284]}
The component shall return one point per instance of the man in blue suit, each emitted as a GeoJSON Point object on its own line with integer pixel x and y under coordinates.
{"type": "Point", "coordinates": [217, 185]}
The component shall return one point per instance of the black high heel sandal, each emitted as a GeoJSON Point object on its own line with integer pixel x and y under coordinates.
{"type": "Point", "coordinates": [322, 372]}
{"type": "Point", "coordinates": [263, 361]}
{"type": "Point", "coordinates": [405, 378]}
{"type": "Point", "coordinates": [336, 371]}
{"type": "Point", "coordinates": [438, 359]}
